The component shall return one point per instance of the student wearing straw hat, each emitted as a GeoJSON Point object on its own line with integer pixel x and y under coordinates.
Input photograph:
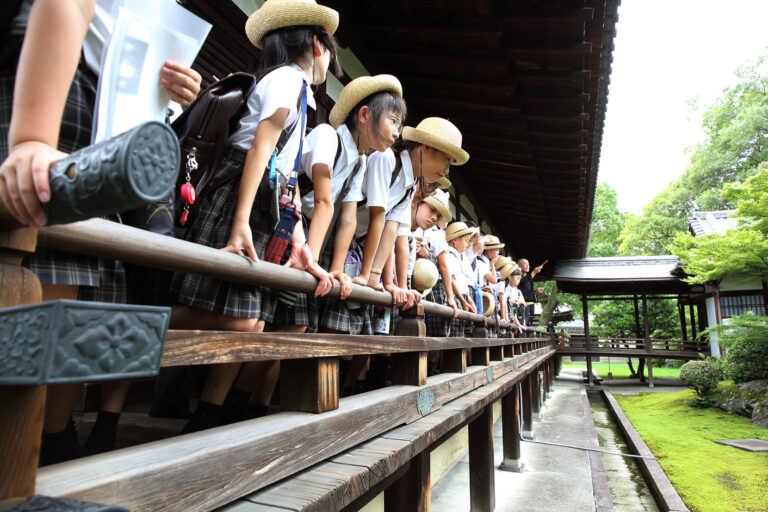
{"type": "Point", "coordinates": [424, 156]}
{"type": "Point", "coordinates": [510, 298]}
{"type": "Point", "coordinates": [296, 37]}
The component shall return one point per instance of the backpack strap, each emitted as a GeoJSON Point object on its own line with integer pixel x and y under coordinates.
{"type": "Point", "coordinates": [305, 182]}
{"type": "Point", "coordinates": [339, 200]}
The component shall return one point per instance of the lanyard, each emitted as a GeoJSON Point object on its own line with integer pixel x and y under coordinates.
{"type": "Point", "coordinates": [295, 172]}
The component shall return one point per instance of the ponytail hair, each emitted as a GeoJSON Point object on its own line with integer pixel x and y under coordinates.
{"type": "Point", "coordinates": [289, 45]}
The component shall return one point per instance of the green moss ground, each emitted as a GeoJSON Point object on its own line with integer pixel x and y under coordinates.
{"type": "Point", "coordinates": [708, 476]}
{"type": "Point", "coordinates": [621, 370]}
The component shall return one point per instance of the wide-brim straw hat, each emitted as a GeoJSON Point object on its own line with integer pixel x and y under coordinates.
{"type": "Point", "coordinates": [492, 242]}
{"type": "Point", "coordinates": [456, 230]}
{"type": "Point", "coordinates": [501, 261]}
{"type": "Point", "coordinates": [439, 201]}
{"type": "Point", "coordinates": [440, 134]}
{"type": "Point", "coordinates": [359, 89]}
{"type": "Point", "coordinates": [508, 269]}
{"type": "Point", "coordinates": [489, 304]}
{"type": "Point", "coordinates": [444, 183]}
{"type": "Point", "coordinates": [425, 274]}
{"type": "Point", "coordinates": [274, 14]}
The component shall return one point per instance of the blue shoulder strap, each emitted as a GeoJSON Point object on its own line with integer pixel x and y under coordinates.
{"type": "Point", "coordinates": [295, 172]}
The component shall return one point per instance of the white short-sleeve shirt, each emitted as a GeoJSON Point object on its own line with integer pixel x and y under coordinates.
{"type": "Point", "coordinates": [323, 142]}
{"type": "Point", "coordinates": [457, 271]}
{"type": "Point", "coordinates": [280, 88]}
{"type": "Point", "coordinates": [483, 269]}
{"type": "Point", "coordinates": [376, 190]}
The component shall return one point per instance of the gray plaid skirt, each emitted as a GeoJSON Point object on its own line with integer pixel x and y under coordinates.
{"type": "Point", "coordinates": [100, 280]}
{"type": "Point", "coordinates": [212, 228]}
{"type": "Point", "coordinates": [339, 315]}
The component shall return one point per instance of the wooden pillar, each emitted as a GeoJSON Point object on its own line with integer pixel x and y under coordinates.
{"type": "Point", "coordinates": [587, 340]}
{"type": "Point", "coordinates": [525, 391]}
{"type": "Point", "coordinates": [647, 342]}
{"type": "Point", "coordinates": [693, 321]}
{"type": "Point", "coordinates": [410, 492]}
{"type": "Point", "coordinates": [510, 426]}
{"type": "Point", "coordinates": [410, 368]}
{"type": "Point", "coordinates": [23, 409]}
{"type": "Point", "coordinates": [482, 492]}
{"type": "Point", "coordinates": [310, 385]}
{"type": "Point", "coordinates": [683, 322]}
{"type": "Point", "coordinates": [535, 384]}
{"type": "Point", "coordinates": [547, 371]}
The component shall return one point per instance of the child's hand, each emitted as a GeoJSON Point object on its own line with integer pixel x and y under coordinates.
{"type": "Point", "coordinates": [399, 295]}
{"type": "Point", "coordinates": [452, 303]}
{"type": "Point", "coordinates": [301, 258]}
{"type": "Point", "coordinates": [241, 239]}
{"type": "Point", "coordinates": [360, 279]}
{"type": "Point", "coordinates": [345, 283]}
{"type": "Point", "coordinates": [180, 82]}
{"type": "Point", "coordinates": [24, 180]}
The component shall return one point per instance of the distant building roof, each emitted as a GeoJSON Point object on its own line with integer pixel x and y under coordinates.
{"type": "Point", "coordinates": [707, 223]}
{"type": "Point", "coordinates": [619, 275]}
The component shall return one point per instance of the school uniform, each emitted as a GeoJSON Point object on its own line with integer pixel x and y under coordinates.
{"type": "Point", "coordinates": [98, 279]}
{"type": "Point", "coordinates": [323, 143]}
{"type": "Point", "coordinates": [434, 241]}
{"type": "Point", "coordinates": [457, 269]}
{"type": "Point", "coordinates": [278, 89]}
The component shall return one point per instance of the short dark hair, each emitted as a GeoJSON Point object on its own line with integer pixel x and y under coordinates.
{"type": "Point", "coordinates": [516, 272]}
{"type": "Point", "coordinates": [290, 44]}
{"type": "Point", "coordinates": [380, 104]}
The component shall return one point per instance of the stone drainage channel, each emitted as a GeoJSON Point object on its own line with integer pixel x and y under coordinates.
{"type": "Point", "coordinates": [629, 491]}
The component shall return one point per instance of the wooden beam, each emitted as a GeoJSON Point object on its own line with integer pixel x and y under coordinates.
{"type": "Point", "coordinates": [411, 492]}
{"type": "Point", "coordinates": [310, 385]}
{"type": "Point", "coordinates": [510, 424]}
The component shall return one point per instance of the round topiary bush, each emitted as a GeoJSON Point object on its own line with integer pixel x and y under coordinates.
{"type": "Point", "coordinates": [702, 376]}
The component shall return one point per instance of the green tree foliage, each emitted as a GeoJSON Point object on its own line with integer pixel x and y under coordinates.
{"type": "Point", "coordinates": [736, 142]}
{"type": "Point", "coordinates": [743, 250]}
{"type": "Point", "coordinates": [607, 223]}
{"type": "Point", "coordinates": [616, 318]}
{"type": "Point", "coordinates": [746, 340]}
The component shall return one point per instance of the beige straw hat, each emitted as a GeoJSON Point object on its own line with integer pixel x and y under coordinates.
{"type": "Point", "coordinates": [440, 134]}
{"type": "Point", "coordinates": [439, 201]}
{"type": "Point", "coordinates": [425, 274]}
{"type": "Point", "coordinates": [456, 230]}
{"type": "Point", "coordinates": [274, 14]}
{"type": "Point", "coordinates": [501, 261]}
{"type": "Point", "coordinates": [444, 183]}
{"type": "Point", "coordinates": [492, 242]}
{"type": "Point", "coordinates": [359, 89]}
{"type": "Point", "coordinates": [508, 269]}
{"type": "Point", "coordinates": [489, 304]}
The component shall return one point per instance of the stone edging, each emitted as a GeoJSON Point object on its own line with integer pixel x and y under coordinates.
{"type": "Point", "coordinates": [600, 488]}
{"type": "Point", "coordinates": [663, 492]}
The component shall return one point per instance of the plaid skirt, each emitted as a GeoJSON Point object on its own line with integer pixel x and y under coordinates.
{"type": "Point", "coordinates": [99, 279]}
{"type": "Point", "coordinates": [437, 326]}
{"type": "Point", "coordinates": [339, 315]}
{"type": "Point", "coordinates": [212, 228]}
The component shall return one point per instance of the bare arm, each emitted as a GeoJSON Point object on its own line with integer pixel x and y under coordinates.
{"type": "Point", "coordinates": [323, 214]}
{"type": "Point", "coordinates": [375, 227]}
{"type": "Point", "coordinates": [384, 250]}
{"type": "Point", "coordinates": [47, 64]}
{"type": "Point", "coordinates": [267, 134]}
{"type": "Point", "coordinates": [402, 254]}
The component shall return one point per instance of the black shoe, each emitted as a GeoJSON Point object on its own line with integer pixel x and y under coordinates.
{"type": "Point", "coordinates": [235, 407]}
{"type": "Point", "coordinates": [207, 415]}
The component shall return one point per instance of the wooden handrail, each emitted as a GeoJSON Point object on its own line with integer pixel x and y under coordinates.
{"type": "Point", "coordinates": [103, 238]}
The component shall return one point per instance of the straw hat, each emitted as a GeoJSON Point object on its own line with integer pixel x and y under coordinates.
{"type": "Point", "coordinates": [501, 261]}
{"type": "Point", "coordinates": [274, 14]}
{"type": "Point", "coordinates": [508, 269]}
{"type": "Point", "coordinates": [439, 201]}
{"type": "Point", "coordinates": [489, 304]}
{"type": "Point", "coordinates": [492, 242]}
{"type": "Point", "coordinates": [444, 183]}
{"type": "Point", "coordinates": [440, 134]}
{"type": "Point", "coordinates": [456, 230]}
{"type": "Point", "coordinates": [359, 89]}
{"type": "Point", "coordinates": [425, 274]}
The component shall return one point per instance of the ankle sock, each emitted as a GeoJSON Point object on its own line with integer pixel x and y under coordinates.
{"type": "Point", "coordinates": [60, 446]}
{"type": "Point", "coordinates": [235, 407]}
{"type": "Point", "coordinates": [104, 433]}
{"type": "Point", "coordinates": [206, 416]}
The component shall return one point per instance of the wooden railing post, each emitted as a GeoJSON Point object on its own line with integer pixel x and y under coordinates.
{"type": "Point", "coordinates": [510, 426]}
{"type": "Point", "coordinates": [480, 355]}
{"type": "Point", "coordinates": [21, 422]}
{"type": "Point", "coordinates": [482, 492]}
{"type": "Point", "coordinates": [410, 368]}
{"type": "Point", "coordinates": [310, 385]}
{"type": "Point", "coordinates": [411, 492]}
{"type": "Point", "coordinates": [535, 384]}
{"type": "Point", "coordinates": [454, 361]}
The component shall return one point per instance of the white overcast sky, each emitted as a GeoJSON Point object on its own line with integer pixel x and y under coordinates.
{"type": "Point", "coordinates": [668, 52]}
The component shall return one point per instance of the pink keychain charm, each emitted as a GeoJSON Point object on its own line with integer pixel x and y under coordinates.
{"type": "Point", "coordinates": [188, 193]}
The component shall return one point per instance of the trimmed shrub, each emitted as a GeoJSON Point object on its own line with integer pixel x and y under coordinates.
{"type": "Point", "coordinates": [702, 376]}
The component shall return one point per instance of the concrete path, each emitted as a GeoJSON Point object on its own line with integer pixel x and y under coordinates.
{"type": "Point", "coordinates": [555, 479]}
